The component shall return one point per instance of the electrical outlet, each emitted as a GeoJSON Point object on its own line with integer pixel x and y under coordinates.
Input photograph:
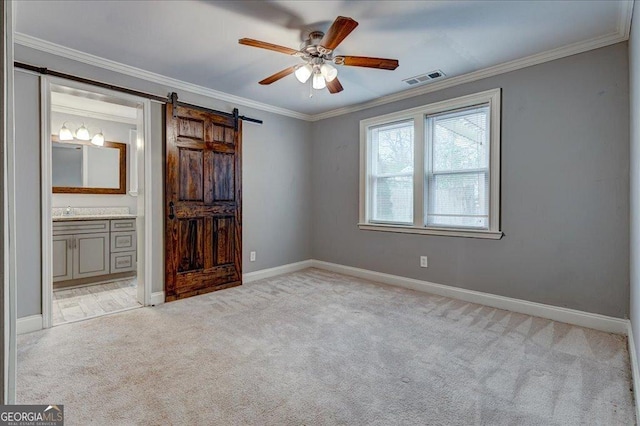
{"type": "Point", "coordinates": [423, 262]}
{"type": "Point", "coordinates": [252, 256]}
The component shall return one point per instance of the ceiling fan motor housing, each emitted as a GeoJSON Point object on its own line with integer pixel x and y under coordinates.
{"type": "Point", "coordinates": [311, 46]}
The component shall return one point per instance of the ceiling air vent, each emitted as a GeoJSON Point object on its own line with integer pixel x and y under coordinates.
{"type": "Point", "coordinates": [423, 78]}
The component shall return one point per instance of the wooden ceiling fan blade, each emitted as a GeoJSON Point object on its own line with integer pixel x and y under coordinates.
{"type": "Point", "coordinates": [334, 86]}
{"type": "Point", "coordinates": [365, 61]}
{"type": "Point", "coordinates": [269, 46]}
{"type": "Point", "coordinates": [338, 31]}
{"type": "Point", "coordinates": [277, 76]}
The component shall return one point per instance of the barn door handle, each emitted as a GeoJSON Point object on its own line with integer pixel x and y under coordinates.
{"type": "Point", "coordinates": [171, 212]}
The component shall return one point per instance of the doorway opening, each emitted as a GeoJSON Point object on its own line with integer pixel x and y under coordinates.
{"type": "Point", "coordinates": [94, 225]}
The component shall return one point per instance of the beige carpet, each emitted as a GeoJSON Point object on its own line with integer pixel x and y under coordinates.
{"type": "Point", "coordinates": [316, 348]}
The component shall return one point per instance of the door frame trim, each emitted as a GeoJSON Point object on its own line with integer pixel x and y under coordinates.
{"type": "Point", "coordinates": [146, 191]}
{"type": "Point", "coordinates": [9, 284]}
{"type": "Point", "coordinates": [45, 203]}
{"type": "Point", "coordinates": [144, 144]}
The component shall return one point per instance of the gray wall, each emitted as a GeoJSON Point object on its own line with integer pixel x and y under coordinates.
{"type": "Point", "coordinates": [276, 192]}
{"type": "Point", "coordinates": [565, 191]}
{"type": "Point", "coordinates": [634, 94]}
{"type": "Point", "coordinates": [276, 180]}
{"type": "Point", "coordinates": [27, 197]}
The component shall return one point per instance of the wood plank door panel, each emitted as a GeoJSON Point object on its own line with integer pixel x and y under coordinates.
{"type": "Point", "coordinates": [203, 203]}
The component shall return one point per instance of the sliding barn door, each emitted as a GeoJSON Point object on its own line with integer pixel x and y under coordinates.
{"type": "Point", "coordinates": [203, 203]}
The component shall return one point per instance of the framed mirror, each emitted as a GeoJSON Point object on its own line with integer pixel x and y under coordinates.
{"type": "Point", "coordinates": [79, 167]}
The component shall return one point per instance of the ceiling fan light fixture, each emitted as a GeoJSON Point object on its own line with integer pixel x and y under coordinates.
{"type": "Point", "coordinates": [329, 72]}
{"type": "Point", "coordinates": [319, 82]}
{"type": "Point", "coordinates": [303, 73]}
{"type": "Point", "coordinates": [317, 53]}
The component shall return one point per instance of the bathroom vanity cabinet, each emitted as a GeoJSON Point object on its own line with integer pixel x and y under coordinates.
{"type": "Point", "coordinates": [92, 248]}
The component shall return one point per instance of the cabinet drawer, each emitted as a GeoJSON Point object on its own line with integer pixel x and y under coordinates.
{"type": "Point", "coordinates": [123, 262]}
{"type": "Point", "coordinates": [118, 225]}
{"type": "Point", "coordinates": [80, 227]}
{"type": "Point", "coordinates": [123, 241]}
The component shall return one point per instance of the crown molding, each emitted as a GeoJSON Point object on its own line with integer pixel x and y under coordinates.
{"type": "Point", "coordinates": [624, 18]}
{"type": "Point", "coordinates": [89, 59]}
{"type": "Point", "coordinates": [505, 67]}
{"type": "Point", "coordinates": [623, 29]}
{"type": "Point", "coordinates": [621, 34]}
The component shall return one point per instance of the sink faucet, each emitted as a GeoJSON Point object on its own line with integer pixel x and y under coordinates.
{"type": "Point", "coordinates": [68, 211]}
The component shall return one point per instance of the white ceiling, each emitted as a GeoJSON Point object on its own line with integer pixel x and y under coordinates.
{"type": "Point", "coordinates": [196, 40]}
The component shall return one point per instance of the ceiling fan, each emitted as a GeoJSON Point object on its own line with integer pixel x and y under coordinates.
{"type": "Point", "coordinates": [317, 53]}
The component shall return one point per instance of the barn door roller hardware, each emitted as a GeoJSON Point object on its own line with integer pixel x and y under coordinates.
{"type": "Point", "coordinates": [235, 115]}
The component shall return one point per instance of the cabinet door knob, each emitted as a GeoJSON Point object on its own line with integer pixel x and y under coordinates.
{"type": "Point", "coordinates": [171, 212]}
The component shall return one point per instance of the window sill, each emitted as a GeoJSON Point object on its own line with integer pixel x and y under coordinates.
{"type": "Point", "coordinates": [405, 229]}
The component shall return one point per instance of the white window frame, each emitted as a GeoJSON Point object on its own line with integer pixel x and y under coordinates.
{"type": "Point", "coordinates": [419, 115]}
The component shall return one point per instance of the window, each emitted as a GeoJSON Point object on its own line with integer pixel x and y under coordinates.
{"type": "Point", "coordinates": [392, 173]}
{"type": "Point", "coordinates": [434, 169]}
{"type": "Point", "coordinates": [457, 167]}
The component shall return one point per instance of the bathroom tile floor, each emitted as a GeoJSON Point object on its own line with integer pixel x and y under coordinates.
{"type": "Point", "coordinates": [94, 300]}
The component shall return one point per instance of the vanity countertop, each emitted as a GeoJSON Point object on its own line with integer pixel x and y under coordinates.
{"type": "Point", "coordinates": [93, 217]}
{"type": "Point", "coordinates": [90, 213]}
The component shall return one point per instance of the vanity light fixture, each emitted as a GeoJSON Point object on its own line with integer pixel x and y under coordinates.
{"type": "Point", "coordinates": [98, 139]}
{"type": "Point", "coordinates": [65, 134]}
{"type": "Point", "coordinates": [82, 133]}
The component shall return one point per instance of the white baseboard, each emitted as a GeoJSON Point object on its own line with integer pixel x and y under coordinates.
{"type": "Point", "coordinates": [28, 324]}
{"type": "Point", "coordinates": [635, 374]}
{"type": "Point", "coordinates": [278, 270]}
{"type": "Point", "coordinates": [157, 298]}
{"type": "Point", "coordinates": [555, 313]}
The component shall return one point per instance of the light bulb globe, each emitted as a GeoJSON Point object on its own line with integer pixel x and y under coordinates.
{"type": "Point", "coordinates": [65, 134]}
{"type": "Point", "coordinates": [98, 139]}
{"type": "Point", "coordinates": [329, 72]}
{"type": "Point", "coordinates": [319, 82]}
{"type": "Point", "coordinates": [303, 73]}
{"type": "Point", "coordinates": [83, 134]}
